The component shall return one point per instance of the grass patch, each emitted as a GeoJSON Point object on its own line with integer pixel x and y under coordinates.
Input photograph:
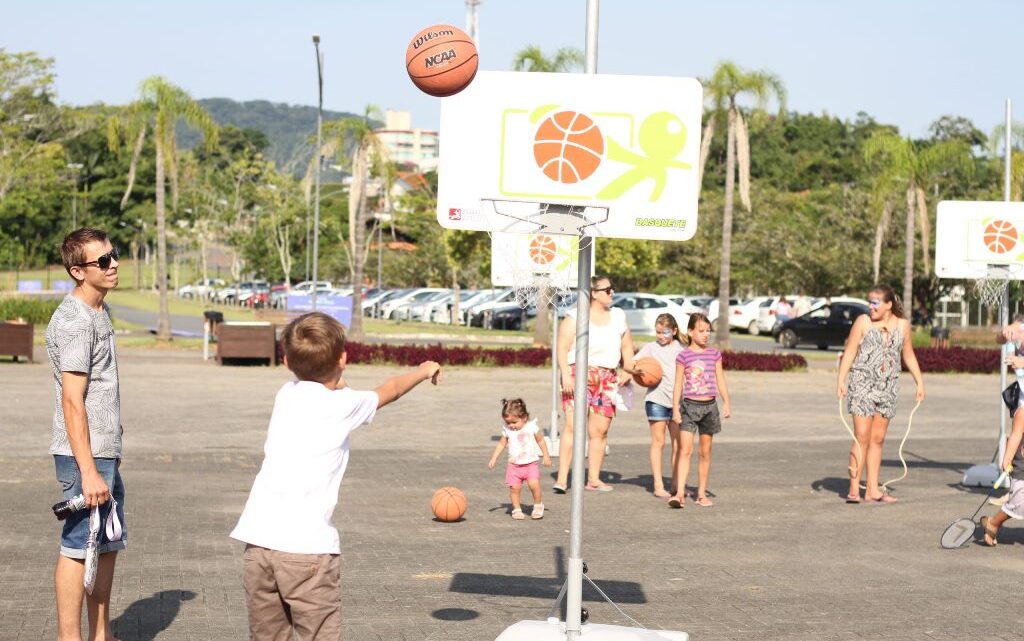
{"type": "Point", "coordinates": [150, 302]}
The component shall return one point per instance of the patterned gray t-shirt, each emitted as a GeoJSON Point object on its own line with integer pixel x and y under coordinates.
{"type": "Point", "coordinates": [81, 339]}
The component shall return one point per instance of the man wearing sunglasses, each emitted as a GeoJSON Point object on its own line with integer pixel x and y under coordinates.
{"type": "Point", "coordinates": [86, 435]}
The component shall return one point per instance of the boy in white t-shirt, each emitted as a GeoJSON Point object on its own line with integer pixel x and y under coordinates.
{"type": "Point", "coordinates": [291, 567]}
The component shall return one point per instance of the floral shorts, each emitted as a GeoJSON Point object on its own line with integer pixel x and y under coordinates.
{"type": "Point", "coordinates": [602, 385]}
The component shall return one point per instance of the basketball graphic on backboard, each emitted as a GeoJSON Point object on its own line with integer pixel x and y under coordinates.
{"type": "Point", "coordinates": [542, 249]}
{"type": "Point", "coordinates": [1000, 236]}
{"type": "Point", "coordinates": [568, 147]}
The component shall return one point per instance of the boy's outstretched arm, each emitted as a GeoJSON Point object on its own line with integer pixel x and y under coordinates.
{"type": "Point", "coordinates": [1014, 439]}
{"type": "Point", "coordinates": [396, 387]}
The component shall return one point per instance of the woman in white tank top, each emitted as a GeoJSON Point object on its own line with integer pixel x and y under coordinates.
{"type": "Point", "coordinates": [610, 344]}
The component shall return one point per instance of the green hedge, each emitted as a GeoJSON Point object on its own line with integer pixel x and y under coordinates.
{"type": "Point", "coordinates": [33, 310]}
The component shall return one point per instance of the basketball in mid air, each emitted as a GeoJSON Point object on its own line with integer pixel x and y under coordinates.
{"type": "Point", "coordinates": [441, 60]}
{"type": "Point", "coordinates": [650, 374]}
{"type": "Point", "coordinates": [448, 504]}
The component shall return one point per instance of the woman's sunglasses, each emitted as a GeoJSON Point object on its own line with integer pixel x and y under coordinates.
{"type": "Point", "coordinates": [103, 262]}
{"type": "Point", "coordinates": [607, 290]}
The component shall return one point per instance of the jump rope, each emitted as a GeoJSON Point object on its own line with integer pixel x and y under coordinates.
{"type": "Point", "coordinates": [860, 450]}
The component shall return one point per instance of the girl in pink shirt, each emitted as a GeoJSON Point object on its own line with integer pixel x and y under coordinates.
{"type": "Point", "coordinates": [699, 380]}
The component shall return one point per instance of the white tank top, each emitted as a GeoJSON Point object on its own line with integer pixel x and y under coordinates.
{"type": "Point", "coordinates": [605, 347]}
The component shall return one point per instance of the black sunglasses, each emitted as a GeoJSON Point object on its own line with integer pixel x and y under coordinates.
{"type": "Point", "coordinates": [103, 262]}
{"type": "Point", "coordinates": [607, 290]}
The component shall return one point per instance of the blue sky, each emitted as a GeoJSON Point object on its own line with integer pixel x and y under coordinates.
{"type": "Point", "coordinates": [904, 62]}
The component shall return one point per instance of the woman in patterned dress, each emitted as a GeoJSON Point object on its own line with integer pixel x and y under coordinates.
{"type": "Point", "coordinates": [877, 342]}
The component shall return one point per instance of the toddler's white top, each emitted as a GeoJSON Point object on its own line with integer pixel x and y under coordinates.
{"type": "Point", "coordinates": [522, 443]}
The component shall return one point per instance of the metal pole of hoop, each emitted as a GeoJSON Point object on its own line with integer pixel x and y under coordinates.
{"type": "Point", "coordinates": [1004, 302]}
{"type": "Point", "coordinates": [574, 579]}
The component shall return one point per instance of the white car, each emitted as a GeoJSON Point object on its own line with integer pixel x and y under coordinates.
{"type": "Point", "coordinates": [398, 308]}
{"type": "Point", "coordinates": [691, 304]}
{"type": "Point", "coordinates": [306, 287]}
{"type": "Point", "coordinates": [420, 310]}
{"type": "Point", "coordinates": [742, 315]}
{"type": "Point", "coordinates": [474, 314]}
{"type": "Point", "coordinates": [766, 312]}
{"type": "Point", "coordinates": [442, 312]}
{"type": "Point", "coordinates": [643, 309]}
{"type": "Point", "coordinates": [202, 288]}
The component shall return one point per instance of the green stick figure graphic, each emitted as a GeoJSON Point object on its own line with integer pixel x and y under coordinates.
{"type": "Point", "coordinates": [662, 137]}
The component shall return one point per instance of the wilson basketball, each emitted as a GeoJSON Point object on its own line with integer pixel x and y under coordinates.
{"type": "Point", "coordinates": [651, 372]}
{"type": "Point", "coordinates": [1000, 236]}
{"type": "Point", "coordinates": [543, 249]}
{"type": "Point", "coordinates": [568, 147]}
{"type": "Point", "coordinates": [448, 504]}
{"type": "Point", "coordinates": [441, 60]}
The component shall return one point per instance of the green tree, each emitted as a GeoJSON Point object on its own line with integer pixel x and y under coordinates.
{"type": "Point", "coordinates": [727, 84]}
{"type": "Point", "coordinates": [531, 58]}
{"type": "Point", "coordinates": [160, 107]}
{"type": "Point", "coordinates": [907, 168]}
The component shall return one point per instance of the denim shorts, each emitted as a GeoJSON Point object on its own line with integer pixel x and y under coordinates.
{"type": "Point", "coordinates": [76, 526]}
{"type": "Point", "coordinates": [656, 412]}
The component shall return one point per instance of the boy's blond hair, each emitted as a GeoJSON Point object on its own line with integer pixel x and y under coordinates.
{"type": "Point", "coordinates": [313, 345]}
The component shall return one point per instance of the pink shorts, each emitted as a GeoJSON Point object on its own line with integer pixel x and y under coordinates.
{"type": "Point", "coordinates": [516, 474]}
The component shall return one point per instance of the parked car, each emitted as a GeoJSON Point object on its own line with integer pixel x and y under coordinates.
{"type": "Point", "coordinates": [202, 288]}
{"type": "Point", "coordinates": [712, 312]}
{"type": "Point", "coordinates": [507, 315]}
{"type": "Point", "coordinates": [441, 312]}
{"type": "Point", "coordinates": [766, 312]}
{"type": "Point", "coordinates": [398, 308]}
{"type": "Point", "coordinates": [257, 294]}
{"type": "Point", "coordinates": [474, 314]}
{"type": "Point", "coordinates": [642, 309]}
{"type": "Point", "coordinates": [825, 325]}
{"type": "Point", "coordinates": [691, 304]}
{"type": "Point", "coordinates": [421, 309]}
{"type": "Point", "coordinates": [372, 307]}
{"type": "Point", "coordinates": [306, 286]}
{"type": "Point", "coordinates": [744, 316]}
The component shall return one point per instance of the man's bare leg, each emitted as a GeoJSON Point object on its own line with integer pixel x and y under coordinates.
{"type": "Point", "coordinates": [67, 579]}
{"type": "Point", "coordinates": [99, 601]}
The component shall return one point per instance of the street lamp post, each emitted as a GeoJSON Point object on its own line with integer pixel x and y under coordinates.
{"type": "Point", "coordinates": [77, 168]}
{"type": "Point", "coordinates": [382, 217]}
{"type": "Point", "coordinates": [319, 162]}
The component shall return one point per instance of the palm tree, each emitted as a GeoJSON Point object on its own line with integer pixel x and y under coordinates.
{"type": "Point", "coordinates": [729, 82]}
{"type": "Point", "coordinates": [159, 108]}
{"type": "Point", "coordinates": [369, 156]}
{"type": "Point", "coordinates": [531, 58]}
{"type": "Point", "coordinates": [903, 167]}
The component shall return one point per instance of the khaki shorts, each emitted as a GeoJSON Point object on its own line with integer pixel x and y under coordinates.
{"type": "Point", "coordinates": [285, 591]}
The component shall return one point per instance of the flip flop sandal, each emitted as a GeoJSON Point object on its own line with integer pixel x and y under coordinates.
{"type": "Point", "coordinates": [598, 488]}
{"type": "Point", "coordinates": [558, 489]}
{"type": "Point", "coordinates": [538, 512]}
{"type": "Point", "coordinates": [517, 514]}
{"type": "Point", "coordinates": [676, 502]}
{"type": "Point", "coordinates": [885, 499]}
{"type": "Point", "coordinates": [989, 533]}
{"type": "Point", "coordinates": [663, 495]}
{"type": "Point", "coordinates": [704, 501]}
{"type": "Point", "coordinates": [853, 498]}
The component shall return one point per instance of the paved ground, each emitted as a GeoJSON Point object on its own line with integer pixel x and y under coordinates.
{"type": "Point", "coordinates": [778, 557]}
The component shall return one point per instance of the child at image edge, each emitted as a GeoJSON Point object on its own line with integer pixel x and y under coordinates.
{"type": "Point", "coordinates": [699, 381]}
{"type": "Point", "coordinates": [525, 444]}
{"type": "Point", "coordinates": [291, 562]}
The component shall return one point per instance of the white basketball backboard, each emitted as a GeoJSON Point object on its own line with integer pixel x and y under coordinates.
{"type": "Point", "coordinates": [598, 155]}
{"type": "Point", "coordinates": [552, 255]}
{"type": "Point", "coordinates": [973, 236]}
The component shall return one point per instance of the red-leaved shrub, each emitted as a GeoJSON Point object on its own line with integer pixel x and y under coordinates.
{"type": "Point", "coordinates": [762, 362]}
{"type": "Point", "coordinates": [957, 359]}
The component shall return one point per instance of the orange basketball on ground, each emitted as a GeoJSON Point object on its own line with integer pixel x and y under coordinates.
{"type": "Point", "coordinates": [651, 372]}
{"type": "Point", "coordinates": [1000, 236]}
{"type": "Point", "coordinates": [441, 60]}
{"type": "Point", "coordinates": [448, 504]}
{"type": "Point", "coordinates": [543, 249]}
{"type": "Point", "coordinates": [568, 147]}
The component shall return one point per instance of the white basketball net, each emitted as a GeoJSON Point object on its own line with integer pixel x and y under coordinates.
{"type": "Point", "coordinates": [990, 289]}
{"type": "Point", "coordinates": [540, 290]}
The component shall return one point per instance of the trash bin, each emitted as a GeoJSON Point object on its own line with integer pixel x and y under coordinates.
{"type": "Point", "coordinates": [213, 321]}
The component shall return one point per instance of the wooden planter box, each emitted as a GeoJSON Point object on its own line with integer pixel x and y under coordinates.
{"type": "Point", "coordinates": [16, 340]}
{"type": "Point", "coordinates": [247, 340]}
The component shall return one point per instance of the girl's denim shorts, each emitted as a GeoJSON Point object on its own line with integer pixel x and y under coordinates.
{"type": "Point", "coordinates": [657, 412]}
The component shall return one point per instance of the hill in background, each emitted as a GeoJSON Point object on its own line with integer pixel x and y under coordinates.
{"type": "Point", "coordinates": [291, 129]}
